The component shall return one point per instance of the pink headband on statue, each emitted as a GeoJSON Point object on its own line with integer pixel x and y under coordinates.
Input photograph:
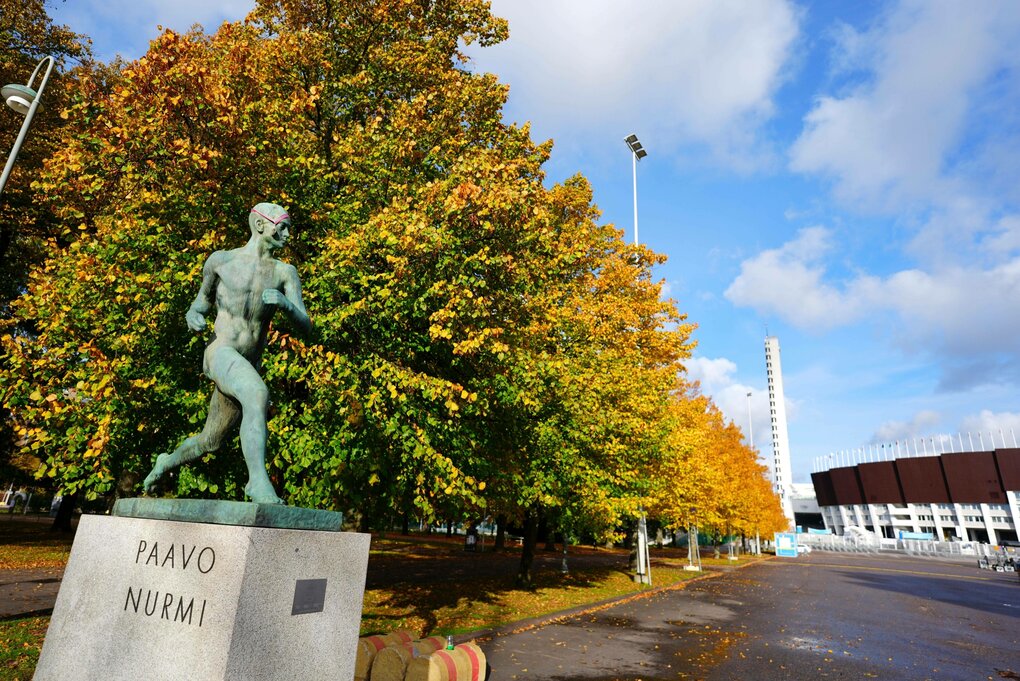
{"type": "Point", "coordinates": [276, 221]}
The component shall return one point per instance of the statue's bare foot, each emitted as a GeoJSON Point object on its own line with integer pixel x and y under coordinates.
{"type": "Point", "coordinates": [262, 493]}
{"type": "Point", "coordinates": [156, 473]}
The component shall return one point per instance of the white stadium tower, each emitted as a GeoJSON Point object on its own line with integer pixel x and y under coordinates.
{"type": "Point", "coordinates": [779, 469]}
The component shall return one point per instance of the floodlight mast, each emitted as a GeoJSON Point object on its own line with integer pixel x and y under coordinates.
{"type": "Point", "coordinates": [637, 153]}
{"type": "Point", "coordinates": [24, 100]}
{"type": "Point", "coordinates": [750, 423]}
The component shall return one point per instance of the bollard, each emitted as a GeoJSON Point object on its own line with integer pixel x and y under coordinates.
{"type": "Point", "coordinates": [390, 663]}
{"type": "Point", "coordinates": [466, 662]}
{"type": "Point", "coordinates": [369, 647]}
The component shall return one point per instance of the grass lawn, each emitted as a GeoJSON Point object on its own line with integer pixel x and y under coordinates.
{"type": "Point", "coordinates": [28, 543]}
{"type": "Point", "coordinates": [20, 643]}
{"type": "Point", "coordinates": [427, 585]}
{"type": "Point", "coordinates": [485, 603]}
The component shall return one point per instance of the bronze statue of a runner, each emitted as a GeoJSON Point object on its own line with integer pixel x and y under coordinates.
{"type": "Point", "coordinates": [246, 285]}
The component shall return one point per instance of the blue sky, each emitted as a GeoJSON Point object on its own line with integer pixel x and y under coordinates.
{"type": "Point", "coordinates": [844, 174]}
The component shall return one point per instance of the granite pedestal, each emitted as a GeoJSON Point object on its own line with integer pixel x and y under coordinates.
{"type": "Point", "coordinates": [146, 598]}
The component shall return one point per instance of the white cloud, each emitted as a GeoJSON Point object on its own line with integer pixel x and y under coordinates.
{"type": "Point", "coordinates": [966, 316]}
{"type": "Point", "coordinates": [966, 311]}
{"type": "Point", "coordinates": [718, 382]}
{"type": "Point", "coordinates": [1004, 239]}
{"type": "Point", "coordinates": [893, 431]}
{"type": "Point", "coordinates": [698, 72]}
{"type": "Point", "coordinates": [892, 138]}
{"type": "Point", "coordinates": [789, 282]}
{"type": "Point", "coordinates": [999, 428]}
{"type": "Point", "coordinates": [925, 434]}
{"type": "Point", "coordinates": [713, 374]}
{"type": "Point", "coordinates": [950, 233]}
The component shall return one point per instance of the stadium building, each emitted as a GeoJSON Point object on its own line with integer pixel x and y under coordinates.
{"type": "Point", "coordinates": [965, 496]}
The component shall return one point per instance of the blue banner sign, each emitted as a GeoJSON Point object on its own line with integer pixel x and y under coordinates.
{"type": "Point", "coordinates": [786, 544]}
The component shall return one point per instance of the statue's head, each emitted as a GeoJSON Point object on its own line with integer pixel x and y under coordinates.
{"type": "Point", "coordinates": [270, 222]}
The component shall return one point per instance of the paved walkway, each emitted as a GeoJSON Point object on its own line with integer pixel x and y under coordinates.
{"type": "Point", "coordinates": [820, 616]}
{"type": "Point", "coordinates": [28, 592]}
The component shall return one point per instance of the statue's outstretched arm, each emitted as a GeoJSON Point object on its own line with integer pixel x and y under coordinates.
{"type": "Point", "coordinates": [206, 295]}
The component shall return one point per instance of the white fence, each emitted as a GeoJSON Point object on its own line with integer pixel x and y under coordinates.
{"type": "Point", "coordinates": [914, 547]}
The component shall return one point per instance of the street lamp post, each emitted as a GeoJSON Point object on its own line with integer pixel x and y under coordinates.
{"type": "Point", "coordinates": [750, 435]}
{"type": "Point", "coordinates": [637, 153]}
{"type": "Point", "coordinates": [750, 423]}
{"type": "Point", "coordinates": [24, 100]}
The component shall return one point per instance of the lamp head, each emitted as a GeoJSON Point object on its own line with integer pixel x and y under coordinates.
{"type": "Point", "coordinates": [635, 146]}
{"type": "Point", "coordinates": [18, 97]}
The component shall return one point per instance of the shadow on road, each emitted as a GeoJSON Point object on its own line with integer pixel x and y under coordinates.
{"type": "Point", "coordinates": [994, 597]}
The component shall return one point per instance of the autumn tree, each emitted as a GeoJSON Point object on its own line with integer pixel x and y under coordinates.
{"type": "Point", "coordinates": [583, 418]}
{"type": "Point", "coordinates": [28, 34]}
{"type": "Point", "coordinates": [710, 478]}
{"type": "Point", "coordinates": [760, 513]}
{"type": "Point", "coordinates": [424, 241]}
{"type": "Point", "coordinates": [26, 228]}
{"type": "Point", "coordinates": [683, 494]}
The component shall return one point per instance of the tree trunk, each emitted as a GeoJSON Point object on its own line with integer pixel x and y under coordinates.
{"type": "Point", "coordinates": [500, 542]}
{"type": "Point", "coordinates": [405, 525]}
{"type": "Point", "coordinates": [65, 513]}
{"type": "Point", "coordinates": [632, 544]}
{"type": "Point", "coordinates": [6, 237]}
{"type": "Point", "coordinates": [564, 568]}
{"type": "Point", "coordinates": [524, 577]}
{"type": "Point", "coordinates": [127, 483]}
{"type": "Point", "coordinates": [550, 542]}
{"type": "Point", "coordinates": [547, 533]}
{"type": "Point", "coordinates": [449, 528]}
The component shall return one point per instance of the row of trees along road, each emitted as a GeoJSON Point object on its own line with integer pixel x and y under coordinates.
{"type": "Point", "coordinates": [483, 345]}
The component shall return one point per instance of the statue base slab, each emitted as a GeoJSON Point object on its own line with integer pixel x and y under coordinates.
{"type": "Point", "coordinates": [229, 513]}
{"type": "Point", "coordinates": [163, 599]}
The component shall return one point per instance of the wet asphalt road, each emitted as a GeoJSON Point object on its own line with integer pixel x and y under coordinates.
{"type": "Point", "coordinates": [821, 616]}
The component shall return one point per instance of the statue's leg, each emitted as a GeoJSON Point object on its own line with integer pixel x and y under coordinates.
{"type": "Point", "coordinates": [237, 378]}
{"type": "Point", "coordinates": [223, 415]}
